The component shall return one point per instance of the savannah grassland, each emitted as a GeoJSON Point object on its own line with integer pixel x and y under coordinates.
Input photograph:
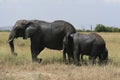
{"type": "Point", "coordinates": [52, 66]}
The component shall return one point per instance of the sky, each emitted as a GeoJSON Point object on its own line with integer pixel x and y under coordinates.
{"type": "Point", "coordinates": [81, 13]}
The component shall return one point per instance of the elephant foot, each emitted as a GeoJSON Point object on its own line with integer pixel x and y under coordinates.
{"type": "Point", "coordinates": [84, 62]}
{"type": "Point", "coordinates": [71, 60]}
{"type": "Point", "coordinates": [38, 60]}
{"type": "Point", "coordinates": [65, 62]}
{"type": "Point", "coordinates": [102, 62]}
{"type": "Point", "coordinates": [77, 64]}
{"type": "Point", "coordinates": [14, 54]}
{"type": "Point", "coordinates": [92, 63]}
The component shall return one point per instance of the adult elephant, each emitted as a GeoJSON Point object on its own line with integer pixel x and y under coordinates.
{"type": "Point", "coordinates": [91, 44]}
{"type": "Point", "coordinates": [42, 34]}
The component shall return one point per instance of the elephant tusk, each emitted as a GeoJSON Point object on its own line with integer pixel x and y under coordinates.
{"type": "Point", "coordinates": [9, 40]}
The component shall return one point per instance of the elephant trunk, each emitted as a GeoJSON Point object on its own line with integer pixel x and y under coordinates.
{"type": "Point", "coordinates": [11, 43]}
{"type": "Point", "coordinates": [11, 36]}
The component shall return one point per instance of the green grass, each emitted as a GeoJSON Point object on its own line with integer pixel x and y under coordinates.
{"type": "Point", "coordinates": [52, 67]}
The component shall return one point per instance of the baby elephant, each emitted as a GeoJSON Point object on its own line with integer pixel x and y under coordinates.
{"type": "Point", "coordinates": [92, 44]}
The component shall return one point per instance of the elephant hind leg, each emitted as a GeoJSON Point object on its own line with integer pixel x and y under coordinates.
{"type": "Point", "coordinates": [93, 58]}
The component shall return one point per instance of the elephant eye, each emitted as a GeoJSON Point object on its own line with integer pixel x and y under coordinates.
{"type": "Point", "coordinates": [22, 23]}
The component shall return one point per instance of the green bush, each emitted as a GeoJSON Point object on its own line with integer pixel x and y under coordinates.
{"type": "Point", "coordinates": [103, 28]}
{"type": "Point", "coordinates": [100, 28]}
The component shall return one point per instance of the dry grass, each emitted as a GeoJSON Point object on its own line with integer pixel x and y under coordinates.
{"type": "Point", "coordinates": [52, 66]}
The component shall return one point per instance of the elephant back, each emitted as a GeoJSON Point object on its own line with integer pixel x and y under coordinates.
{"type": "Point", "coordinates": [68, 27]}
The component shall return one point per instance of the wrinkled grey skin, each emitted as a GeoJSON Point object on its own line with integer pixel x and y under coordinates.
{"type": "Point", "coordinates": [91, 44]}
{"type": "Point", "coordinates": [42, 34]}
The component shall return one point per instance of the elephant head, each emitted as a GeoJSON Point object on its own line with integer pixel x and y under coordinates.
{"type": "Point", "coordinates": [68, 47]}
{"type": "Point", "coordinates": [22, 28]}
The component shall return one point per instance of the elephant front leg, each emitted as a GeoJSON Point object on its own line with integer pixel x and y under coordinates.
{"type": "Point", "coordinates": [76, 56]}
{"type": "Point", "coordinates": [35, 52]}
{"type": "Point", "coordinates": [64, 55]}
{"type": "Point", "coordinates": [69, 54]}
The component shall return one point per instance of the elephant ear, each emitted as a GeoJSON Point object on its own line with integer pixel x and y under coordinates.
{"type": "Point", "coordinates": [68, 40]}
{"type": "Point", "coordinates": [30, 29]}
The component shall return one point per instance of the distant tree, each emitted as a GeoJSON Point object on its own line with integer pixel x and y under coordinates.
{"type": "Point", "coordinates": [100, 28]}
{"type": "Point", "coordinates": [116, 29]}
{"type": "Point", "coordinates": [89, 31]}
{"type": "Point", "coordinates": [109, 29]}
{"type": "Point", "coordinates": [112, 29]}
